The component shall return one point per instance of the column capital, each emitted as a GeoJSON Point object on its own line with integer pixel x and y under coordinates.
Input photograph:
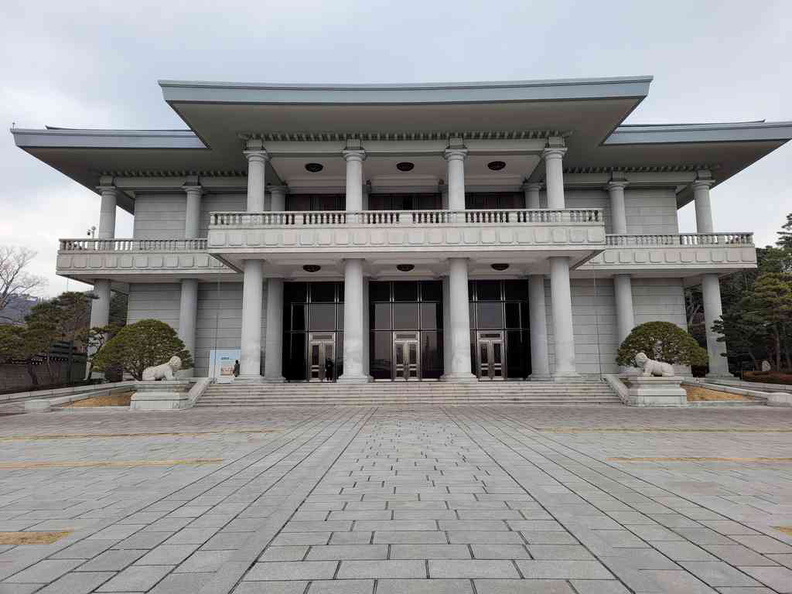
{"type": "Point", "coordinates": [259, 155]}
{"type": "Point", "coordinates": [702, 183]}
{"type": "Point", "coordinates": [553, 153]}
{"type": "Point", "coordinates": [455, 154]}
{"type": "Point", "coordinates": [278, 189]}
{"type": "Point", "coordinates": [193, 189]}
{"type": "Point", "coordinates": [616, 184]}
{"type": "Point", "coordinates": [354, 155]}
{"type": "Point", "coordinates": [533, 186]}
{"type": "Point", "coordinates": [107, 189]}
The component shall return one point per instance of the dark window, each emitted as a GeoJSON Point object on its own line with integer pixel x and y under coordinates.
{"type": "Point", "coordinates": [322, 317]}
{"type": "Point", "coordinates": [382, 345]}
{"type": "Point", "coordinates": [405, 291]}
{"type": "Point", "coordinates": [516, 290]}
{"type": "Point", "coordinates": [431, 354]}
{"type": "Point", "coordinates": [431, 316]}
{"type": "Point", "coordinates": [298, 318]}
{"type": "Point", "coordinates": [431, 291]}
{"type": "Point", "coordinates": [295, 292]}
{"type": "Point", "coordinates": [405, 316]}
{"type": "Point", "coordinates": [323, 292]}
{"type": "Point", "coordinates": [489, 290]}
{"type": "Point", "coordinates": [381, 317]}
{"type": "Point", "coordinates": [513, 315]}
{"type": "Point", "coordinates": [490, 315]}
{"type": "Point", "coordinates": [379, 291]}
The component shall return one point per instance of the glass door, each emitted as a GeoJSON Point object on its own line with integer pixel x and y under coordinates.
{"type": "Point", "coordinates": [321, 357]}
{"type": "Point", "coordinates": [406, 356]}
{"type": "Point", "coordinates": [490, 355]}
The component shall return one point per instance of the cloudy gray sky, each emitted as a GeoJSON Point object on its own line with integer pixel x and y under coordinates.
{"type": "Point", "coordinates": [95, 65]}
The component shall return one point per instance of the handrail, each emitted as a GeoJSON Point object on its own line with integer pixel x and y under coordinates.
{"type": "Point", "coordinates": [681, 239]}
{"type": "Point", "coordinates": [404, 217]}
{"type": "Point", "coordinates": [133, 245]}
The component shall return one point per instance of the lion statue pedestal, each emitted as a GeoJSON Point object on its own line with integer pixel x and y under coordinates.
{"type": "Point", "coordinates": [160, 390]}
{"type": "Point", "coordinates": [657, 385]}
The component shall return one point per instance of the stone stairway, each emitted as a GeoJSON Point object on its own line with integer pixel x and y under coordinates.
{"type": "Point", "coordinates": [408, 393]}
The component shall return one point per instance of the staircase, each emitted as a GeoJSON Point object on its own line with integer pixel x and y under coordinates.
{"type": "Point", "coordinates": [408, 394]}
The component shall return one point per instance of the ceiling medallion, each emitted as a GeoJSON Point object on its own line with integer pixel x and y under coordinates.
{"type": "Point", "coordinates": [500, 267]}
{"type": "Point", "coordinates": [405, 267]}
{"type": "Point", "coordinates": [312, 268]}
{"type": "Point", "coordinates": [405, 166]}
{"type": "Point", "coordinates": [496, 165]}
{"type": "Point", "coordinates": [314, 167]}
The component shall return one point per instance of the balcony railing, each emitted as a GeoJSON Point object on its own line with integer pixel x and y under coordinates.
{"type": "Point", "coordinates": [682, 239]}
{"type": "Point", "coordinates": [133, 245]}
{"type": "Point", "coordinates": [387, 218]}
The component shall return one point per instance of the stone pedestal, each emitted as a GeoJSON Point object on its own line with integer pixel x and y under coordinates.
{"type": "Point", "coordinates": [657, 391]}
{"type": "Point", "coordinates": [161, 396]}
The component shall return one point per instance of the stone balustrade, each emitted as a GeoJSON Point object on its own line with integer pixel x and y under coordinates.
{"type": "Point", "coordinates": [685, 239]}
{"type": "Point", "coordinates": [671, 254]}
{"type": "Point", "coordinates": [386, 218]}
{"type": "Point", "coordinates": [133, 245]}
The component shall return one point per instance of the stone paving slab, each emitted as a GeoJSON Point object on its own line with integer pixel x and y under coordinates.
{"type": "Point", "coordinates": [462, 500]}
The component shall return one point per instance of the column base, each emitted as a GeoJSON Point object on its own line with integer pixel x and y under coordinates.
{"type": "Point", "coordinates": [540, 378]}
{"type": "Point", "coordinates": [274, 380]}
{"type": "Point", "coordinates": [249, 379]}
{"type": "Point", "coordinates": [458, 378]}
{"type": "Point", "coordinates": [720, 376]}
{"type": "Point", "coordinates": [565, 377]}
{"type": "Point", "coordinates": [355, 379]}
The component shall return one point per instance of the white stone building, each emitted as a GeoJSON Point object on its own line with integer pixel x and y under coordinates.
{"type": "Point", "coordinates": [438, 231]}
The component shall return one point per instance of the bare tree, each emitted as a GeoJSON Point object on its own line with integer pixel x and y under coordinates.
{"type": "Point", "coordinates": [15, 281]}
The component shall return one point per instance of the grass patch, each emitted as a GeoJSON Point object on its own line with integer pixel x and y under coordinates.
{"type": "Point", "coordinates": [31, 538]}
{"type": "Point", "coordinates": [120, 399]}
{"type": "Point", "coordinates": [698, 394]}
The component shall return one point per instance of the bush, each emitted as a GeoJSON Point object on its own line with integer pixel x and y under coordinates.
{"type": "Point", "coordinates": [661, 341]}
{"type": "Point", "coordinates": [143, 344]}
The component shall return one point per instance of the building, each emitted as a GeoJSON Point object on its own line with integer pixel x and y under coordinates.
{"type": "Point", "coordinates": [437, 231]}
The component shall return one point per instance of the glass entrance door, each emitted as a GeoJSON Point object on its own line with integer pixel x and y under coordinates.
{"type": "Point", "coordinates": [321, 357]}
{"type": "Point", "coordinates": [406, 357]}
{"type": "Point", "coordinates": [490, 355]}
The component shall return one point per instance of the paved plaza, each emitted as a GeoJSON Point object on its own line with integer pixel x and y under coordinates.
{"type": "Point", "coordinates": [462, 500]}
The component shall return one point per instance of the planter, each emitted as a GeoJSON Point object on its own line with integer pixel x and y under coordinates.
{"type": "Point", "coordinates": [657, 391]}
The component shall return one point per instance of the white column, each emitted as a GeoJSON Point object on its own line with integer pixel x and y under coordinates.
{"type": "Point", "coordinates": [713, 309]}
{"type": "Point", "coordinates": [459, 322]}
{"type": "Point", "coordinates": [273, 342]}
{"type": "Point", "coordinates": [561, 305]}
{"type": "Point", "coordinates": [354, 184]}
{"type": "Point", "coordinates": [107, 212]}
{"type": "Point", "coordinates": [532, 195]}
{"type": "Point", "coordinates": [554, 177]}
{"type": "Point", "coordinates": [278, 198]}
{"type": "Point", "coordinates": [625, 314]}
{"type": "Point", "coordinates": [192, 213]}
{"type": "Point", "coordinates": [446, 328]}
{"type": "Point", "coordinates": [100, 310]}
{"type": "Point", "coordinates": [456, 177]}
{"type": "Point", "coordinates": [366, 331]}
{"type": "Point", "coordinates": [257, 177]}
{"type": "Point", "coordinates": [252, 293]}
{"type": "Point", "coordinates": [100, 307]}
{"type": "Point", "coordinates": [188, 310]}
{"type": "Point", "coordinates": [617, 209]}
{"type": "Point", "coordinates": [537, 313]}
{"type": "Point", "coordinates": [354, 372]}
{"type": "Point", "coordinates": [701, 195]}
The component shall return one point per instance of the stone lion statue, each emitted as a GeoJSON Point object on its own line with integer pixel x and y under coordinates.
{"type": "Point", "coordinates": [651, 367]}
{"type": "Point", "coordinates": [165, 371]}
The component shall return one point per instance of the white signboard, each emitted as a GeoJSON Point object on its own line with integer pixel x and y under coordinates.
{"type": "Point", "coordinates": [221, 364]}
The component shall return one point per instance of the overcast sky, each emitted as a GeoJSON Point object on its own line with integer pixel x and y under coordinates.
{"type": "Point", "coordinates": [96, 65]}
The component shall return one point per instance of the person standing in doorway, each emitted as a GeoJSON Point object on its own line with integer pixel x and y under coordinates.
{"type": "Point", "coordinates": [329, 369]}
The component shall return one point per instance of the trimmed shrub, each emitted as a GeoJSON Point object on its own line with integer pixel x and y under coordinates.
{"type": "Point", "coordinates": [143, 344]}
{"type": "Point", "coordinates": [661, 341]}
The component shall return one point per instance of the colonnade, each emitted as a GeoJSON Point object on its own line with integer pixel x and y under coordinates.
{"type": "Point", "coordinates": [458, 365]}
